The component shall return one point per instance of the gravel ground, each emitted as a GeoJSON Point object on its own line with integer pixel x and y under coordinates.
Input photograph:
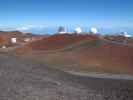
{"type": "Point", "coordinates": [22, 79]}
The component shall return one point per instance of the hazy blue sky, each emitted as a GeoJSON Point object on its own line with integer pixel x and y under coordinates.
{"type": "Point", "coordinates": [104, 14]}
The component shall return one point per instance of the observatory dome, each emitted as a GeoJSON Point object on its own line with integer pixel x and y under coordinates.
{"type": "Point", "coordinates": [93, 30]}
{"type": "Point", "coordinates": [126, 34]}
{"type": "Point", "coordinates": [78, 29]}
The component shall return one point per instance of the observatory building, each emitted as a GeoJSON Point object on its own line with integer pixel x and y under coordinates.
{"type": "Point", "coordinates": [78, 29]}
{"type": "Point", "coordinates": [125, 34]}
{"type": "Point", "coordinates": [13, 40]}
{"type": "Point", "coordinates": [61, 30]}
{"type": "Point", "coordinates": [93, 30]}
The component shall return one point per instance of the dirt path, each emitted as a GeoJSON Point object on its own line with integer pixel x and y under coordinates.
{"type": "Point", "coordinates": [103, 75]}
{"type": "Point", "coordinates": [21, 79]}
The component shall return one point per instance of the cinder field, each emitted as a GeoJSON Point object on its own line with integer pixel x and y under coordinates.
{"type": "Point", "coordinates": [44, 72]}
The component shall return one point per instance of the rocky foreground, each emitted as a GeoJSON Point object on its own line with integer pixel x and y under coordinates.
{"type": "Point", "coordinates": [23, 79]}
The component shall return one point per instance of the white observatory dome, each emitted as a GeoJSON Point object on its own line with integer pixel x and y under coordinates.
{"type": "Point", "coordinates": [93, 30]}
{"type": "Point", "coordinates": [126, 34]}
{"type": "Point", "coordinates": [78, 29]}
{"type": "Point", "coordinates": [13, 40]}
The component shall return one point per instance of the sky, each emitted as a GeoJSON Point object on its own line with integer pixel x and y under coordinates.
{"type": "Point", "coordinates": [39, 15]}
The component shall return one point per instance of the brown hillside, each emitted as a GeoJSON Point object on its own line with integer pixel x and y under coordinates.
{"type": "Point", "coordinates": [59, 41]}
{"type": "Point", "coordinates": [118, 38]}
{"type": "Point", "coordinates": [5, 36]}
{"type": "Point", "coordinates": [103, 58]}
{"type": "Point", "coordinates": [92, 55]}
{"type": "Point", "coordinates": [107, 56]}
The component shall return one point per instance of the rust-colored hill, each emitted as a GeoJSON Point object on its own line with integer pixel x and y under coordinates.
{"type": "Point", "coordinates": [108, 57]}
{"type": "Point", "coordinates": [119, 38]}
{"type": "Point", "coordinates": [10, 33]}
{"type": "Point", "coordinates": [60, 41]}
{"type": "Point", "coordinates": [103, 57]}
{"type": "Point", "coordinates": [6, 35]}
{"type": "Point", "coordinates": [39, 37]}
{"type": "Point", "coordinates": [84, 53]}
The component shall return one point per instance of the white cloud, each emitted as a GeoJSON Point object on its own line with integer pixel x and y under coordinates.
{"type": "Point", "coordinates": [28, 27]}
{"type": "Point", "coordinates": [22, 28]}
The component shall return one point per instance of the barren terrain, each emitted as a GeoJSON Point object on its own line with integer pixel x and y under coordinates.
{"type": "Point", "coordinates": [23, 79]}
{"type": "Point", "coordinates": [86, 53]}
{"type": "Point", "coordinates": [54, 68]}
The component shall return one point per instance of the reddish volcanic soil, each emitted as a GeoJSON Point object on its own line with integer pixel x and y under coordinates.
{"type": "Point", "coordinates": [8, 34]}
{"type": "Point", "coordinates": [108, 57]}
{"type": "Point", "coordinates": [60, 41]}
{"type": "Point", "coordinates": [101, 56]}
{"type": "Point", "coordinates": [5, 36]}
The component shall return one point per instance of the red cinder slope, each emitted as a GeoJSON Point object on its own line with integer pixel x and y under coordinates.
{"type": "Point", "coordinates": [59, 41]}
{"type": "Point", "coordinates": [6, 35]}
{"type": "Point", "coordinates": [108, 57]}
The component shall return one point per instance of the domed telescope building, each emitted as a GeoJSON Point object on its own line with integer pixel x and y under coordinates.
{"type": "Point", "coordinates": [78, 30]}
{"type": "Point", "coordinates": [125, 34]}
{"type": "Point", "coordinates": [93, 30]}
